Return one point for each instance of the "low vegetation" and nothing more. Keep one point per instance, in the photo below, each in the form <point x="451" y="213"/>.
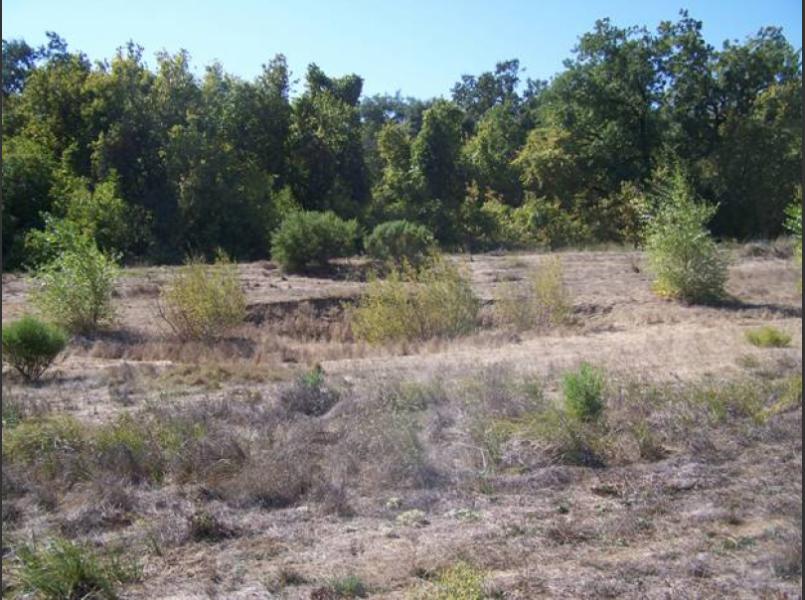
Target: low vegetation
<point x="64" y="570"/>
<point x="202" y="302"/>
<point x="31" y="346"/>
<point x="409" y="304"/>
<point x="75" y="288"/>
<point x="685" y="261"/>
<point x="544" y="302"/>
<point x="583" y="393"/>
<point x="312" y="238"/>
<point x="768" y="337"/>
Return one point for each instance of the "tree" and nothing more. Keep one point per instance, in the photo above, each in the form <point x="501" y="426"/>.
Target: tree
<point x="436" y="159"/>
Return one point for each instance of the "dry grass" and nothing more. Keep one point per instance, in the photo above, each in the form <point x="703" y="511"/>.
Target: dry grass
<point x="448" y="466"/>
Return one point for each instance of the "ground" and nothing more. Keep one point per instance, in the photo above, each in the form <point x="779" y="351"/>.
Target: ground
<point x="692" y="489"/>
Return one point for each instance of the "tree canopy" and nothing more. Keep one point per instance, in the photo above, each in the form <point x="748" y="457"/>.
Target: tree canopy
<point x="158" y="164"/>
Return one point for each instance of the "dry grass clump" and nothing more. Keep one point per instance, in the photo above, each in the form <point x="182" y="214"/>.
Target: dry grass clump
<point x="410" y="304"/>
<point x="202" y="302"/>
<point x="545" y="302"/>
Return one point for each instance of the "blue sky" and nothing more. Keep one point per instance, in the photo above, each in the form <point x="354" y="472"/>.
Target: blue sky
<point x="420" y="47"/>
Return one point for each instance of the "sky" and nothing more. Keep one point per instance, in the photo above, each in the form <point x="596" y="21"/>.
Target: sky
<point x="418" y="47"/>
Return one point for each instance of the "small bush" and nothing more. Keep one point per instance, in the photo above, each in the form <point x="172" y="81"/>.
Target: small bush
<point x="684" y="259"/>
<point x="30" y="346"/>
<point x="47" y="446"/>
<point x="416" y="305"/>
<point x="75" y="288"/>
<point x="309" y="237"/>
<point x="460" y="582"/>
<point x="309" y="394"/>
<point x="62" y="570"/>
<point x="583" y="393"/>
<point x="350" y="586"/>
<point x="203" y="301"/>
<point x="545" y="302"/>
<point x="206" y="527"/>
<point x="768" y="337"/>
<point x="129" y="448"/>
<point x="398" y="240"/>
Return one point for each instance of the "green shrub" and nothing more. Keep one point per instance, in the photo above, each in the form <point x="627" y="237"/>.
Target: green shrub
<point x="684" y="259"/>
<point x="309" y="237"/>
<point x="203" y="301"/>
<point x="583" y="393"/>
<point x="545" y="302"/>
<point x="462" y="581"/>
<point x="62" y="570"/>
<point x="398" y="240"/>
<point x="30" y="346"/>
<point x="48" y="446"/>
<point x="416" y="305"/>
<point x="130" y="448"/>
<point x="75" y="288"/>
<point x="768" y="337"/>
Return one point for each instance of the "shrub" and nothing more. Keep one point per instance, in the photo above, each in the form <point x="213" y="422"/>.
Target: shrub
<point x="203" y="301"/>
<point x="350" y="586"/>
<point x="460" y="582"/>
<point x="49" y="445"/>
<point x="409" y="304"/>
<point x="398" y="240"/>
<point x="75" y="288"/>
<point x="684" y="259"/>
<point x="583" y="393"/>
<point x="62" y="570"/>
<point x="768" y="337"/>
<point x="309" y="394"/>
<point x="546" y="301"/>
<point x="30" y="346"/>
<point x="309" y="237"/>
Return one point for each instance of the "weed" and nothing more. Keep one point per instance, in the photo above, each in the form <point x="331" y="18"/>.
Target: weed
<point x="411" y="304"/>
<point x="545" y="302"/>
<point x="768" y="337"/>
<point x="202" y="302"/>
<point x="62" y="570"/>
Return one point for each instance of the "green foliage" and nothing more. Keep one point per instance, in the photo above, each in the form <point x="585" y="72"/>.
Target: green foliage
<point x="583" y="392"/>
<point x="768" y="337"/>
<point x="152" y="162"/>
<point x="310" y="394"/>
<point x="416" y="305"/>
<point x="63" y="570"/>
<point x="544" y="303"/>
<point x="308" y="237"/>
<point x="30" y="346"/>
<point x="398" y="241"/>
<point x="75" y="289"/>
<point x="203" y="301"/>
<point x="461" y="581"/>
<point x="684" y="259"/>
<point x="49" y="446"/>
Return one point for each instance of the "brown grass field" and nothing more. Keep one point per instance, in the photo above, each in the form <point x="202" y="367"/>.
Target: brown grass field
<point x="434" y="469"/>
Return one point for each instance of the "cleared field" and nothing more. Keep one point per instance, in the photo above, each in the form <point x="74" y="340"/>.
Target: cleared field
<point x="434" y="455"/>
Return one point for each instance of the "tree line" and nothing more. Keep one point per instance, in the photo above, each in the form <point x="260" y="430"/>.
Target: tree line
<point x="159" y="164"/>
